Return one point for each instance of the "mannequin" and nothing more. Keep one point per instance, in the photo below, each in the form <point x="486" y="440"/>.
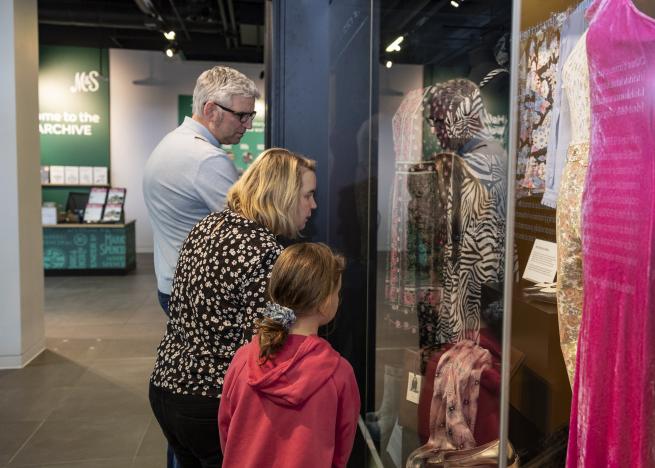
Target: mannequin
<point x="475" y="213"/>
<point x="488" y="70"/>
<point x="575" y="77"/>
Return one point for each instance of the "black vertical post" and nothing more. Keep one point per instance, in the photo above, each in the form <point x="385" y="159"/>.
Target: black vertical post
<point x="322" y="102"/>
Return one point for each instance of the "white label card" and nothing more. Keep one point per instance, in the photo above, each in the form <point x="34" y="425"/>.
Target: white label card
<point x="413" y="387"/>
<point x="542" y="264"/>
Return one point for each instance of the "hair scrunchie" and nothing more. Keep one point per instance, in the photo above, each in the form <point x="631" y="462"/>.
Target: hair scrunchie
<point x="280" y="314"/>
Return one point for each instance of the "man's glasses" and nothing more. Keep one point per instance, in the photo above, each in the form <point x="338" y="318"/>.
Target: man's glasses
<point x="244" y="117"/>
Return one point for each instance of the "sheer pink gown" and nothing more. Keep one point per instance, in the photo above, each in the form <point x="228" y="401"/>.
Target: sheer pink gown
<point x="613" y="411"/>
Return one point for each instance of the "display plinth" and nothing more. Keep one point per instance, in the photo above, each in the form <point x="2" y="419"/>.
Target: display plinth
<point x="89" y="248"/>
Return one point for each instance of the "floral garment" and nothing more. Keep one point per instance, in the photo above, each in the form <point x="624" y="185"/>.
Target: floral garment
<point x="539" y="53"/>
<point x="219" y="291"/>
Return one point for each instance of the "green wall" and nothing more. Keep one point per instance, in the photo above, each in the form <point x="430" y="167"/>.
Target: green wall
<point x="73" y="110"/>
<point x="252" y="141"/>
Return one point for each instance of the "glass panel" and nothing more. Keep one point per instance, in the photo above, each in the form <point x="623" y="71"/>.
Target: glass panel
<point x="347" y="198"/>
<point x="540" y="393"/>
<point x="586" y="146"/>
<point x="442" y="135"/>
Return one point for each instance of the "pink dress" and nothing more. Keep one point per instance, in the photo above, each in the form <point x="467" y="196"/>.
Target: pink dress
<point x="613" y="410"/>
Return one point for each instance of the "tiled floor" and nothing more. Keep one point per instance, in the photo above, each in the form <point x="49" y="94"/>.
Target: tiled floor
<point x="83" y="402"/>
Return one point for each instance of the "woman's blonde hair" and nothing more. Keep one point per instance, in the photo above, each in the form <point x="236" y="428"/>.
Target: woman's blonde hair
<point x="302" y="279"/>
<point x="268" y="191"/>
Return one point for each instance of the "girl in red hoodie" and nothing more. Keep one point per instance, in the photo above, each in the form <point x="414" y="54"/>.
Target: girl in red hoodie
<point x="290" y="400"/>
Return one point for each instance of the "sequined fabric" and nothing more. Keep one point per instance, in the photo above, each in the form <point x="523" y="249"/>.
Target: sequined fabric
<point x="419" y="262"/>
<point x="575" y="78"/>
<point x="569" y="253"/>
<point x="407" y="282"/>
<point x="409" y="288"/>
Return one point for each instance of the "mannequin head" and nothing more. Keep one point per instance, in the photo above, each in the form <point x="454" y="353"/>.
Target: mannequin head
<point x="456" y="112"/>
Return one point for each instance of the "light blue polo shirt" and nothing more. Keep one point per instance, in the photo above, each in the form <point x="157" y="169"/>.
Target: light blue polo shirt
<point x="186" y="177"/>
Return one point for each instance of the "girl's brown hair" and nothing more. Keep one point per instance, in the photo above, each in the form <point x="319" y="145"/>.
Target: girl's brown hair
<point x="303" y="277"/>
<point x="268" y="192"/>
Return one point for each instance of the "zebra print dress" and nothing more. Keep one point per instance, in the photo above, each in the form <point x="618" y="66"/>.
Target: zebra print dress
<point x="475" y="230"/>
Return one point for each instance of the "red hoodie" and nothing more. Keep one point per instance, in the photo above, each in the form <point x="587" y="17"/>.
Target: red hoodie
<point x="300" y="409"/>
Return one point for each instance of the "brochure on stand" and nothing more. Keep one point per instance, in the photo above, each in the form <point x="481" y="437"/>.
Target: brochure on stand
<point x="57" y="174"/>
<point x="98" y="195"/>
<point x="86" y="175"/>
<point x="72" y="175"/>
<point x="100" y="175"/>
<point x="93" y="212"/>
<point x="116" y="195"/>
<point x="113" y="212"/>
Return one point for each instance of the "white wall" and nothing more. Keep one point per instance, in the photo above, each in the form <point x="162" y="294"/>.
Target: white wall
<point x="22" y="332"/>
<point x="141" y="115"/>
<point x="394" y="80"/>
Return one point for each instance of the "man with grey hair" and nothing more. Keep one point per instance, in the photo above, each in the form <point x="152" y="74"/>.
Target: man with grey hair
<point x="188" y="174"/>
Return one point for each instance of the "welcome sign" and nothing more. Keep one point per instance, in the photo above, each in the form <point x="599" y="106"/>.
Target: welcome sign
<point x="74" y="106"/>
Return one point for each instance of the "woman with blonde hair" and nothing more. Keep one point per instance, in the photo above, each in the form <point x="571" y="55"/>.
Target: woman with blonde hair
<point x="289" y="399"/>
<point x="219" y="292"/>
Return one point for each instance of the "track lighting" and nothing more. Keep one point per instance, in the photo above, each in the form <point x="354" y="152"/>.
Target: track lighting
<point x="170" y="35"/>
<point x="389" y="64"/>
<point x="454" y="3"/>
<point x="170" y="51"/>
<point x="395" y="45"/>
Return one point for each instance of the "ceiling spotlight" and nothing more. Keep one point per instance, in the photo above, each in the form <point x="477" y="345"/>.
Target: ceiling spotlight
<point x="454" y="3"/>
<point x="170" y="35"/>
<point x="169" y="52"/>
<point x="395" y="45"/>
<point x="389" y="64"/>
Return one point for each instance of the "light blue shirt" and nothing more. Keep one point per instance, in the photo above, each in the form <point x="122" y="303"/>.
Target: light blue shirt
<point x="186" y="177"/>
<point x="560" y="124"/>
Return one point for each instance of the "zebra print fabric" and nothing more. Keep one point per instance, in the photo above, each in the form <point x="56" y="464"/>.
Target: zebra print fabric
<point x="475" y="212"/>
<point x="474" y="250"/>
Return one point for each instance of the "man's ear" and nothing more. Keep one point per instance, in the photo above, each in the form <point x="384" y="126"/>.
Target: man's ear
<point x="208" y="110"/>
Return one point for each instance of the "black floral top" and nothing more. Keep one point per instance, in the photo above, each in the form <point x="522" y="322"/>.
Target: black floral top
<point x="219" y="290"/>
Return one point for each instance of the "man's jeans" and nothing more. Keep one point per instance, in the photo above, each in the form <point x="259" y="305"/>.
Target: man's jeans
<point x="163" y="301"/>
<point x="171" y="462"/>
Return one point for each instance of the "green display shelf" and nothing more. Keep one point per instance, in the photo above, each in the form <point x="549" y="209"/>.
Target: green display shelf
<point x="89" y="248"/>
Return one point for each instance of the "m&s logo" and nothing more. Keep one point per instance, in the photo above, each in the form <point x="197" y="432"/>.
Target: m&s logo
<point x="85" y="82"/>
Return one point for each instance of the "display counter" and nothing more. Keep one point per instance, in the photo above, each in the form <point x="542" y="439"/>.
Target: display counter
<point x="89" y="248"/>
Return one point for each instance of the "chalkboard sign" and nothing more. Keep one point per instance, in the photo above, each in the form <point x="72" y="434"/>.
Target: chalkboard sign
<point x="93" y="247"/>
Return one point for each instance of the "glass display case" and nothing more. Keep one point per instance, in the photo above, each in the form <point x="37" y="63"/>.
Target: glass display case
<point x="446" y="134"/>
<point x="443" y="100"/>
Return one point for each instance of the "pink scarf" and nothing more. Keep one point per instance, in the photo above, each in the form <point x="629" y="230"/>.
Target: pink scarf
<point x="454" y="401"/>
